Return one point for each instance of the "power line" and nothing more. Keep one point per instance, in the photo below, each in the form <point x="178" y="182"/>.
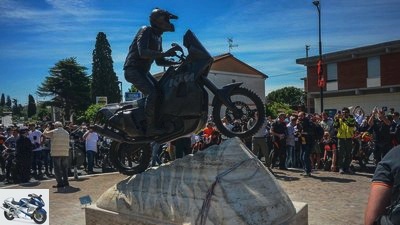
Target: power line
<point x="286" y="74"/>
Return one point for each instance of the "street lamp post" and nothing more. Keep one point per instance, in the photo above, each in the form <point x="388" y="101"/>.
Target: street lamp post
<point x="318" y="5"/>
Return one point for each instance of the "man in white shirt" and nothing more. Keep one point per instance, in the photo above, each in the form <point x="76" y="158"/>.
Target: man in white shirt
<point x="91" y="139"/>
<point x="35" y="136"/>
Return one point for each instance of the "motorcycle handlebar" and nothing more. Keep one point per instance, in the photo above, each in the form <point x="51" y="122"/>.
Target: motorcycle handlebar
<point x="178" y="48"/>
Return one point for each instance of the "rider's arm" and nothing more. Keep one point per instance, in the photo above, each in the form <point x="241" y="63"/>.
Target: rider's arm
<point x="85" y="135"/>
<point x="164" y="62"/>
<point x="144" y="49"/>
<point x="385" y="176"/>
<point x="379" y="198"/>
<point x="47" y="133"/>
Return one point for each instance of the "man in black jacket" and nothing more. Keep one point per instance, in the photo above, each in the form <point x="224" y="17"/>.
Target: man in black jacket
<point x="279" y="133"/>
<point x="144" y="50"/>
<point x="23" y="155"/>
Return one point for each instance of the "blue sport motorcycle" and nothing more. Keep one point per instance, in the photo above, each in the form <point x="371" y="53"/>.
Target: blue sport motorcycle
<point x="31" y="207"/>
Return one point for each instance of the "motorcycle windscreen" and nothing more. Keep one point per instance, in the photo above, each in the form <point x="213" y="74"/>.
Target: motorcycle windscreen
<point x="195" y="49"/>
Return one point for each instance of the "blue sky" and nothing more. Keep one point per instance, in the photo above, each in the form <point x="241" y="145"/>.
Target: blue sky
<point x="271" y="35"/>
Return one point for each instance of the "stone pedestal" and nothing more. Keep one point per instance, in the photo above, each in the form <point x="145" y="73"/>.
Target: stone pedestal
<point x="97" y="216"/>
<point x="222" y="185"/>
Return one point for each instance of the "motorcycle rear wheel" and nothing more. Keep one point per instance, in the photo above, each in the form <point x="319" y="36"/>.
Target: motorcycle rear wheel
<point x="247" y="102"/>
<point x="130" y="159"/>
<point x="8" y="216"/>
<point x="39" y="217"/>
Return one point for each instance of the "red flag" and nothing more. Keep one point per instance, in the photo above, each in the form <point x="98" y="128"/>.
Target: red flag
<point x="321" y="80"/>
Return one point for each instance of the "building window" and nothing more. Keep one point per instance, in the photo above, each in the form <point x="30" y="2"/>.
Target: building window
<point x="332" y="72"/>
<point x="374" y="67"/>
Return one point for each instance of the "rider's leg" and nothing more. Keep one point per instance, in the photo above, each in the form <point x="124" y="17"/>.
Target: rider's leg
<point x="147" y="85"/>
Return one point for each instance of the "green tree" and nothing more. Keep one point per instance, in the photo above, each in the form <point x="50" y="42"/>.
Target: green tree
<point x="8" y="101"/>
<point x="68" y="87"/>
<point x="292" y="96"/>
<point x="31" y="106"/>
<point x="15" y="110"/>
<point x="133" y="89"/>
<point x="104" y="79"/>
<point x="44" y="113"/>
<point x="91" y="112"/>
<point x="2" y="100"/>
<point x="274" y="108"/>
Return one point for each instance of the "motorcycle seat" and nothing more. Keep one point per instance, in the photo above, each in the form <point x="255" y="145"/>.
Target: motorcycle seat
<point x="14" y="202"/>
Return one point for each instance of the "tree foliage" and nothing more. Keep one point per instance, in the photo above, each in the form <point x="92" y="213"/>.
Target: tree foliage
<point x="8" y="101"/>
<point x="291" y="96"/>
<point x="274" y="108"/>
<point x="133" y="89"/>
<point x="43" y="113"/>
<point x="2" y="100"/>
<point x="31" y="106"/>
<point x="91" y="112"/>
<point x="104" y="79"/>
<point x="17" y="110"/>
<point x="68" y="86"/>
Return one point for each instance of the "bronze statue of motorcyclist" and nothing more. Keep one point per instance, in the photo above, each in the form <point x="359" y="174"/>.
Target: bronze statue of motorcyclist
<point x="146" y="48"/>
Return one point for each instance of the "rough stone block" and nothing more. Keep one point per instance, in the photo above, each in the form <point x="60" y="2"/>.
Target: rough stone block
<point x="223" y="184"/>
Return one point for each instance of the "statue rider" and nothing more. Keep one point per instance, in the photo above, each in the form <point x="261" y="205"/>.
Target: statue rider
<point x="146" y="48"/>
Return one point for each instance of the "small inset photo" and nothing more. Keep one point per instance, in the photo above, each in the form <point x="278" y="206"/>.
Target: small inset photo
<point x="24" y="206"/>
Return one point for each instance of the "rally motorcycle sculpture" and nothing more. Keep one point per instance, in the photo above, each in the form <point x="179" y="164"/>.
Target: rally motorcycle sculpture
<point x="183" y="109"/>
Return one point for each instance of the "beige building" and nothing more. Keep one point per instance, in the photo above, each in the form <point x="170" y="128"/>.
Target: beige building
<point x="228" y="69"/>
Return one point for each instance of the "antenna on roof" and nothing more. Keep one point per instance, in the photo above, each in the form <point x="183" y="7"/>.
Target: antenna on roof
<point x="231" y="45"/>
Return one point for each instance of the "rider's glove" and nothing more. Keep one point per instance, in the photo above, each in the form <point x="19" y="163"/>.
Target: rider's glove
<point x="170" y="52"/>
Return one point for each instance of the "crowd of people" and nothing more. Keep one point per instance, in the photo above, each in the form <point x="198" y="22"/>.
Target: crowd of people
<point x="297" y="140"/>
<point x="316" y="141"/>
<point x="44" y="150"/>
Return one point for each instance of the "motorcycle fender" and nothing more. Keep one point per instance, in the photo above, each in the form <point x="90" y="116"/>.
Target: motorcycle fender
<point x="41" y="211"/>
<point x="225" y="91"/>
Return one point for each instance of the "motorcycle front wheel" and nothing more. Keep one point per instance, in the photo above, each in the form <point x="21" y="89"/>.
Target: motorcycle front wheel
<point x="39" y="217"/>
<point x="130" y="159"/>
<point x="243" y="123"/>
<point x="8" y="216"/>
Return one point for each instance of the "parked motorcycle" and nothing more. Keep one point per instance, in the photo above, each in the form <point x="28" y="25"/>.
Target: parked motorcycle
<point x="183" y="109"/>
<point x="31" y="207"/>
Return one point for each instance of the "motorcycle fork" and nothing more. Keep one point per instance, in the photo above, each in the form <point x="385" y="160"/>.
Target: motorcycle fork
<point x="222" y="94"/>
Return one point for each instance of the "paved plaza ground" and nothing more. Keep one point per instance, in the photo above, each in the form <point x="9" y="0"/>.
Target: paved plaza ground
<point x="333" y="199"/>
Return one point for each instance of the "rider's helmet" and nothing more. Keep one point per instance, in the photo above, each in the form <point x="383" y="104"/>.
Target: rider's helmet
<point x="159" y="19"/>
